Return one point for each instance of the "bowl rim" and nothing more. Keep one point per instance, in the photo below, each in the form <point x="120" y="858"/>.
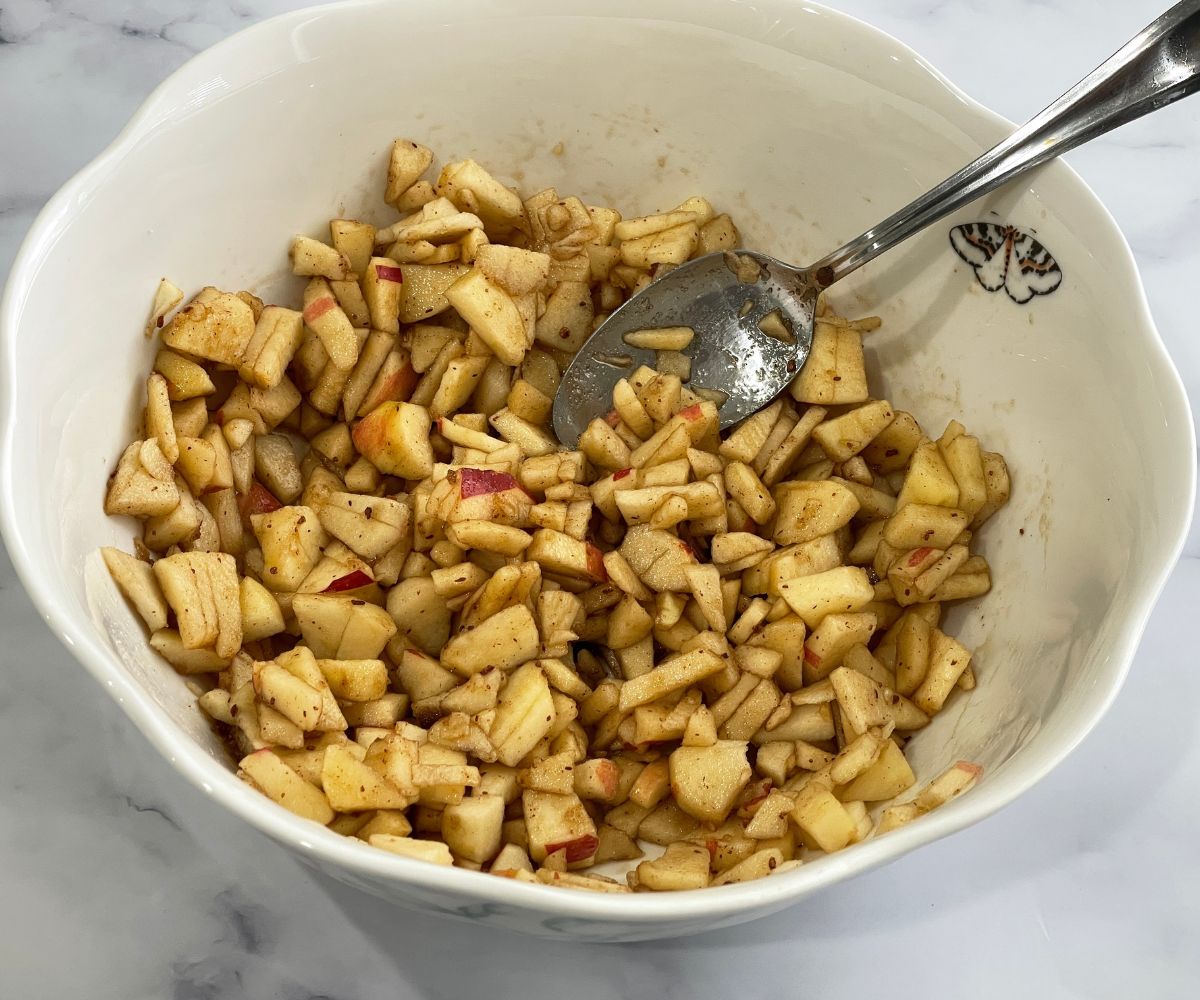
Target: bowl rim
<point x="204" y="772"/>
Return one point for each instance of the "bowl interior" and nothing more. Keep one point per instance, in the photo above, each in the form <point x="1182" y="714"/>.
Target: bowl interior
<point x="807" y="127"/>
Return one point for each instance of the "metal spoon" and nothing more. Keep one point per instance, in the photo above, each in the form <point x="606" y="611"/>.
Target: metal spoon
<point x="725" y="297"/>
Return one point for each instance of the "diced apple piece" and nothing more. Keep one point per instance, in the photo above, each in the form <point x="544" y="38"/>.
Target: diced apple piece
<point x="370" y="525"/>
<point x="353" y="239"/>
<point x="604" y="447"/>
<point x="997" y="487"/>
<point x="488" y="495"/>
<point x="658" y="557"/>
<point x="167" y="296"/>
<point x="277" y="335"/>
<point x="524" y="715"/>
<point x="628" y="623"/>
<point x="144" y="483"/>
<point x="948" y="785"/>
<point x="706" y="781"/>
<point x="834" y="372"/>
<point x="394" y="437"/>
<point x="367" y="632"/>
<point x="674" y="674"/>
<point x="847" y="435"/>
<point x="283" y="785"/>
<point x="275" y="466"/>
<point x="829" y="642"/>
<point x="423" y="290"/>
<point x="215" y="325"/>
<point x="504" y="640"/>
<point x="291" y="539"/>
<point x="560" y="553"/>
<point x="488" y="537"/>
<point x="846" y="589"/>
<point x="313" y="258"/>
<point x="919" y="524"/>
<point x="471" y="828"/>
<point x="741" y="716"/>
<point x="420" y="613"/>
<point x="808" y="510"/>
<point x="823" y="819"/>
<point x="137" y="582"/>
<point x="668" y="246"/>
<point x="355" y="786"/>
<point x="421" y="676"/>
<point x="885" y="779"/>
<point x="383" y="288"/>
<point x="290" y="696"/>
<point x="964" y="459"/>
<point x="682" y="865"/>
<point x="408" y="161"/>
<point x="517" y="271"/>
<point x="559" y="823"/>
<point x="491" y="313"/>
<point x="185" y="378"/>
<point x="202" y="590"/>
<point x="432" y="851"/>
<point x="948" y="658"/>
<point x="928" y="480"/>
<point x="567" y="320"/>
<point x="167" y="643"/>
<point x="532" y="440"/>
<point x="329" y="322"/>
<point x="261" y="614"/>
<point x="748" y="490"/>
<point x="471" y="188"/>
<point x="355" y="680"/>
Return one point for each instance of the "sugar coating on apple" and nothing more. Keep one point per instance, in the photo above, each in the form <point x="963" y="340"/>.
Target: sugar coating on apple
<point x="394" y="437"/>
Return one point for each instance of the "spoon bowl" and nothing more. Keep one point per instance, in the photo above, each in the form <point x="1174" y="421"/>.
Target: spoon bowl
<point x="752" y="318"/>
<point x="752" y="315"/>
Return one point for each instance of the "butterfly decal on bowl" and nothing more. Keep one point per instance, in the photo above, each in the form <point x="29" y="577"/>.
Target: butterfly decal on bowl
<point x="1007" y="257"/>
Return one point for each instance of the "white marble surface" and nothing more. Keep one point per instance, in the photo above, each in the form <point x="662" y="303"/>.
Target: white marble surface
<point x="120" y="882"/>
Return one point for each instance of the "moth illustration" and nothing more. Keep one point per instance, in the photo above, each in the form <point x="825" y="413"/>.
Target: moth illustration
<point x="1007" y="257"/>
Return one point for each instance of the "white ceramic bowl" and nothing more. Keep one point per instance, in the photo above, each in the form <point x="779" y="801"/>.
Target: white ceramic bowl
<point x="287" y="123"/>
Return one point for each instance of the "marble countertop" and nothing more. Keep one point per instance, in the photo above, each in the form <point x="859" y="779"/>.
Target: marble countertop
<point x="119" y="881"/>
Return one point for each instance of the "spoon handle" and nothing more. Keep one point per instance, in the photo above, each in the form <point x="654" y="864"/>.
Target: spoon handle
<point x="1157" y="66"/>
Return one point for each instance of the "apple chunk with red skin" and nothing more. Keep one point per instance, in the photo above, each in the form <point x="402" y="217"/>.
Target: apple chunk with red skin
<point x="556" y="822"/>
<point x="396" y="380"/>
<point x="560" y="553"/>
<point x="394" y="437"/>
<point x="257" y="500"/>
<point x="353" y="580"/>
<point x="489" y="495"/>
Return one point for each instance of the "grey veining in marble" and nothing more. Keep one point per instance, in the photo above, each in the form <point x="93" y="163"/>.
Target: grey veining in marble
<point x="121" y="882"/>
